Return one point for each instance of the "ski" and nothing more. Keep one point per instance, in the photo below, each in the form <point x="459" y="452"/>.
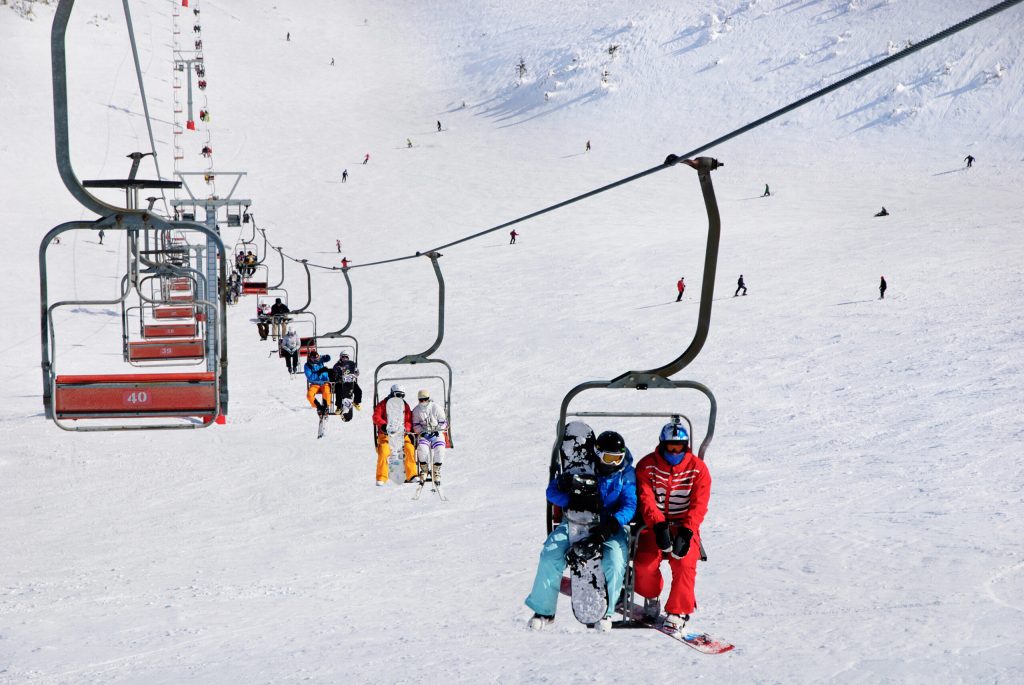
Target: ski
<point x="419" y="491"/>
<point x="440" y="493"/>
<point x="322" y="427"/>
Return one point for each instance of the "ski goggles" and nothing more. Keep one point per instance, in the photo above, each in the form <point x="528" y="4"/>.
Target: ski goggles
<point x="675" y="447"/>
<point x="424" y="399"/>
<point x="611" y="458"/>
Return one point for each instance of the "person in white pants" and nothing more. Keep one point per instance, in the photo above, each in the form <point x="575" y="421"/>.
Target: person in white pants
<point x="429" y="423"/>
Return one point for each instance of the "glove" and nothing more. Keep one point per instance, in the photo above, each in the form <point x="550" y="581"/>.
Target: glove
<point x="661" y="536"/>
<point x="681" y="545"/>
<point x="584" y="550"/>
<point x="583" y="494"/>
<point x="608" y="527"/>
<point x="564" y="482"/>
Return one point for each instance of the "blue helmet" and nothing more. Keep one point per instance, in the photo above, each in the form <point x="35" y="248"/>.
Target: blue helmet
<point x="673" y="443"/>
<point x="674" y="432"/>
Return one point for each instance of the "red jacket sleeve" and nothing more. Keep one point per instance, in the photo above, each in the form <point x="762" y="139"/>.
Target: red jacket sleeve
<point x="408" y="418"/>
<point x="379" y="416"/>
<point x="700" y="493"/>
<point x="648" y="504"/>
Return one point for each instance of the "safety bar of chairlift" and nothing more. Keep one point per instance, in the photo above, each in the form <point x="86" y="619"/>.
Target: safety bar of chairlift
<point x="120" y="221"/>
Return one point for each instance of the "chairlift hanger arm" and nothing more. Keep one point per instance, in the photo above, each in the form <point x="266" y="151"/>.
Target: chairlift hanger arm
<point x="309" y="289"/>
<point x="422" y="356"/>
<point x="348" y="285"/>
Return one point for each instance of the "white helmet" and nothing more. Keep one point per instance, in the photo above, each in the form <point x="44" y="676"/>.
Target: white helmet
<point x="396" y="389"/>
<point x="423" y="395"/>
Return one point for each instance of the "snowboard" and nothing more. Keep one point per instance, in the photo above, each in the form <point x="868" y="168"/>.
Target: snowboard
<point x="586" y="576"/>
<point x="348" y="379"/>
<point x="396" y="438"/>
<point x="702" y="642"/>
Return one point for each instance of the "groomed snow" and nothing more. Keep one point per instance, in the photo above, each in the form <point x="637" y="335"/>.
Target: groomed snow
<point x="866" y="516"/>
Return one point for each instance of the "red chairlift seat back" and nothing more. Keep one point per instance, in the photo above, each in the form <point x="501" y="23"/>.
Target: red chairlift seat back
<point x="167" y="312"/>
<point x="193" y="348"/>
<point x="135" y="395"/>
<point x="170" y="330"/>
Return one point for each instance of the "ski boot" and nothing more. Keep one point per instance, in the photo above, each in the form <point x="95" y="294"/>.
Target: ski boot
<point x="421" y="472"/>
<point x="436" y="475"/>
<point x="604" y="625"/>
<point x="538" y="621"/>
<point x="652" y="608"/>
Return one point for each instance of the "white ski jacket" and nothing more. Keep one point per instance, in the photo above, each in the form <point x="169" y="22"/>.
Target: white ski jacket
<point x="290" y="342"/>
<point x="428" y="418"/>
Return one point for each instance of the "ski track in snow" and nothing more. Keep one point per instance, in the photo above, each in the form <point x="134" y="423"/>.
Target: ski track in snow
<point x="867" y="482"/>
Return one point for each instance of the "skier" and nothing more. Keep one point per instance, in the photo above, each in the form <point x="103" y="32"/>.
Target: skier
<point x="288" y="36"/>
<point x="318" y="379"/>
<point x="970" y="161"/>
<point x="767" y="193"/>
<point x="616" y="485"/>
<point x="202" y="84"/>
<point x="344" y="178"/>
<point x="290" y="350"/>
<point x="343" y="366"/>
<point x="588" y="147"/>
<point x="263" y="320"/>
<point x="884" y="212"/>
<point x="513" y="234"/>
<point x="438" y="126"/>
<point x="380" y="420"/>
<point x="344" y="262"/>
<point x="673" y="487"/>
<point x="882" y="287"/>
<point x="740" y="284"/>
<point x="366" y="158"/>
<point x="207" y="151"/>
<point x="101" y="234"/>
<point x="337" y="244"/>
<point x="332" y="61"/>
<point x="681" y="287"/>
<point x="408" y="142"/>
<point x="429" y="424"/>
<point x="277" y="312"/>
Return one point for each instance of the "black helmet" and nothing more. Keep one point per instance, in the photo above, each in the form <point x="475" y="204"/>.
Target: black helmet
<point x="313" y="355"/>
<point x="611" y="453"/>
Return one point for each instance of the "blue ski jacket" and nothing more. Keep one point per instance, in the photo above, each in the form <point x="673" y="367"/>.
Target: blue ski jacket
<point x="316" y="373"/>
<point x="618" y="493"/>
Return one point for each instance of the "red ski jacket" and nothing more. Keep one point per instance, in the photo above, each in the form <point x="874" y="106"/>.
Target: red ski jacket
<point x="678" y="494"/>
<point x="680" y="286"/>
<point x="380" y="415"/>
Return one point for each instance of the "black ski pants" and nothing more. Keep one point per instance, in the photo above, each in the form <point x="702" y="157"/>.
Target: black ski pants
<point x="291" y="359"/>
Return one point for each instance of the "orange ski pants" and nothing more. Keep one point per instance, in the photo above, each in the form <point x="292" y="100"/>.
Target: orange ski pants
<point x="324" y="390"/>
<point x="384" y="451"/>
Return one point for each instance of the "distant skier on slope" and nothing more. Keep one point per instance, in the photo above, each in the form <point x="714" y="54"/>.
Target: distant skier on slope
<point x="970" y="161"/>
<point x="681" y="287"/>
<point x="408" y="142"/>
<point x="319" y="379"/>
<point x="439" y="126"/>
<point x="616" y="501"/>
<point x="883" y="212"/>
<point x="513" y="233"/>
<point x="429" y="424"/>
<point x="337" y="244"/>
<point x="344" y="176"/>
<point x="673" y="487"/>
<point x="366" y="158"/>
<point x="882" y="287"/>
<point x="740" y="285"/>
<point x="588" y="147"/>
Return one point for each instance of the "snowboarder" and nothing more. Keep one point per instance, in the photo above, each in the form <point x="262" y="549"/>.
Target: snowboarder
<point x="429" y="424"/>
<point x="767" y="193"/>
<point x="263" y="320"/>
<point x="366" y="158"/>
<point x="513" y="234"/>
<point x="337" y="244"/>
<point x="970" y="160"/>
<point x="344" y="262"/>
<point x="408" y="142"/>
<point x="884" y="212"/>
<point x="673" y="487"/>
<point x="616" y="485"/>
<point x="344" y="366"/>
<point x="319" y="380"/>
<point x="344" y="179"/>
<point x="438" y="126"/>
<point x="290" y="344"/>
<point x="101" y="234"/>
<point x="681" y="287"/>
<point x="380" y="420"/>
<point x="277" y="313"/>
<point x="740" y="285"/>
<point x="588" y="147"/>
<point x="882" y="288"/>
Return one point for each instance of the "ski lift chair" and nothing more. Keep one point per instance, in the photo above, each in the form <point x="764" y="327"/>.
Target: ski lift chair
<point x="257" y="283"/>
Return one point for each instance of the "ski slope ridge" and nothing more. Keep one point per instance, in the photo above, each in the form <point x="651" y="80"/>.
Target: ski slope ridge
<point x="865" y="519"/>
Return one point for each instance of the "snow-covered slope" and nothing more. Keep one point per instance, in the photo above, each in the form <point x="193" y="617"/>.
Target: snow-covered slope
<point x="865" y="524"/>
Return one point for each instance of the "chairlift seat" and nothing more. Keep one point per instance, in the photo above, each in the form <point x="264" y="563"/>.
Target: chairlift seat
<point x="170" y="330"/>
<point x="254" y="288"/>
<point x="234" y="220"/>
<point x="193" y="348"/>
<point x="182" y="298"/>
<point x="173" y="312"/>
<point x="135" y="395"/>
<point x="306" y="345"/>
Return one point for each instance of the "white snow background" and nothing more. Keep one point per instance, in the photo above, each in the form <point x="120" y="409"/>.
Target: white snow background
<point x="865" y="521"/>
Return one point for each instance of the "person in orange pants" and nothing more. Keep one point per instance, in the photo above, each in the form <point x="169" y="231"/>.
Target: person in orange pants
<point x="673" y="489"/>
<point x="380" y="422"/>
<point x="319" y="379"/>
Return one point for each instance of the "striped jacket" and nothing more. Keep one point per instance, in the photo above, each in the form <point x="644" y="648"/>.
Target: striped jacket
<point x="678" y="494"/>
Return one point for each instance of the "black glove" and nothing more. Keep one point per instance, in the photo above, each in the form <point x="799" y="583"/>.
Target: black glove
<point x="583" y="495"/>
<point x="605" y="530"/>
<point x="661" y="536"/>
<point x="564" y="482"/>
<point x="681" y="545"/>
<point x="584" y="550"/>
